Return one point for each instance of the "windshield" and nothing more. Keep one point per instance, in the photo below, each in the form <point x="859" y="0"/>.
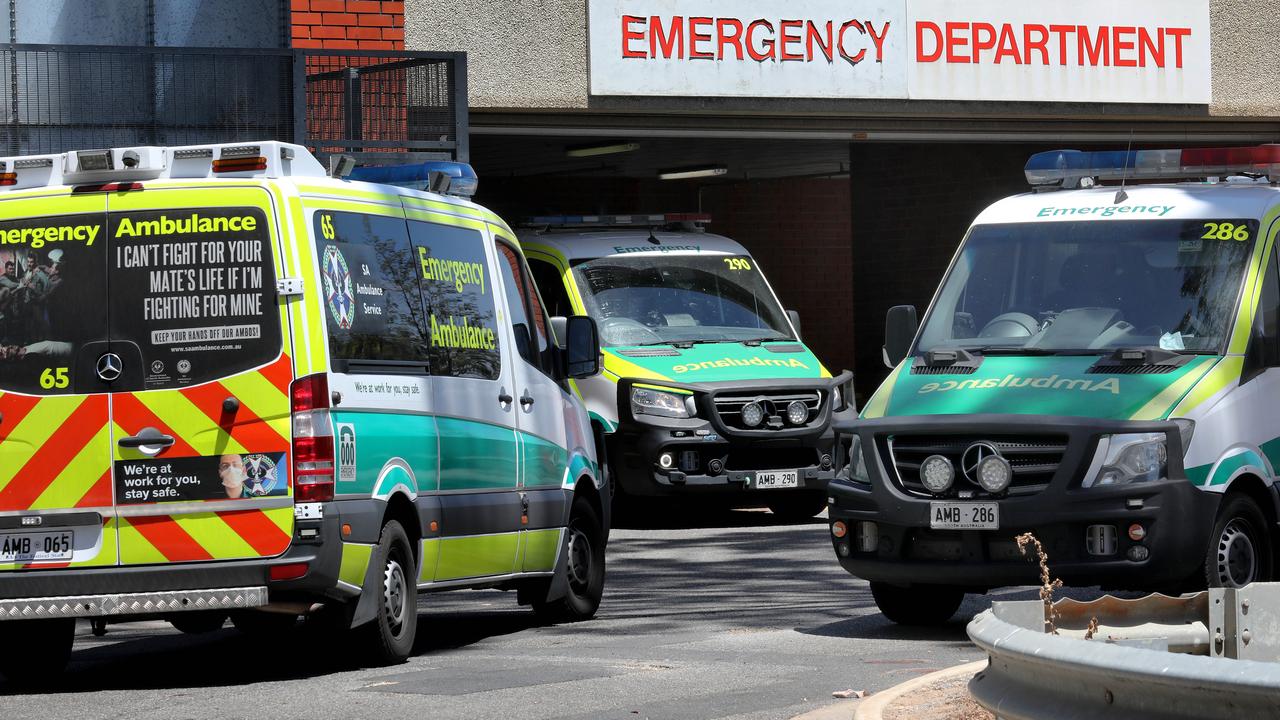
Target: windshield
<point x="1093" y="287"/>
<point x="679" y="299"/>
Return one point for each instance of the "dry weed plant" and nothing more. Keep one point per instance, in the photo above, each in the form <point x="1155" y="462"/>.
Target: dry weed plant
<point x="1047" y="585"/>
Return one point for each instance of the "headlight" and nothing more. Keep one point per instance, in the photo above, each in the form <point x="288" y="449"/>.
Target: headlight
<point x="857" y="467"/>
<point x="797" y="412"/>
<point x="645" y="401"/>
<point x="937" y="473"/>
<point x="752" y="414"/>
<point x="1130" y="458"/>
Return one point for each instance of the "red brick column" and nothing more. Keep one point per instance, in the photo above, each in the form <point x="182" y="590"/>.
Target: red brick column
<point x="348" y="24"/>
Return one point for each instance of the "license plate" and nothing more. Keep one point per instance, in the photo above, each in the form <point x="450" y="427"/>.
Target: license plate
<point x="777" y="479"/>
<point x="964" y="516"/>
<point x="36" y="546"/>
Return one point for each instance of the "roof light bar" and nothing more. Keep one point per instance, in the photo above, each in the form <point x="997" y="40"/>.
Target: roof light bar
<point x="462" y="179"/>
<point x="635" y="220"/>
<point x="1066" y="168"/>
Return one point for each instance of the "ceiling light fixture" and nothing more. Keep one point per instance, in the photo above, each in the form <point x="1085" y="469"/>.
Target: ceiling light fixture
<point x="599" y="149"/>
<point x="692" y="172"/>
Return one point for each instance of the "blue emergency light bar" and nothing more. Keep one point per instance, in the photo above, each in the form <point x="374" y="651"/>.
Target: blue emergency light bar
<point x="462" y="179"/>
<point x="1066" y="168"/>
<point x="633" y="220"/>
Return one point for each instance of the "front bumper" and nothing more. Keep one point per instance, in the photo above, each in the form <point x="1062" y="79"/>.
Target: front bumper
<point x="149" y="590"/>
<point x="712" y="458"/>
<point x="1177" y="517"/>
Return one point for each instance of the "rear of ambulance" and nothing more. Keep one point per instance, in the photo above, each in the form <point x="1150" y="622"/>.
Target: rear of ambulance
<point x="147" y="463"/>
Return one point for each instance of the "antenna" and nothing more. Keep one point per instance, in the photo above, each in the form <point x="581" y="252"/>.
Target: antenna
<point x="1121" y="195"/>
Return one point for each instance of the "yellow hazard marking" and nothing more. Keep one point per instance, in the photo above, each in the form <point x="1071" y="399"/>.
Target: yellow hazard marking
<point x="39" y="426"/>
<point x="190" y="423"/>
<point x="879" y="402"/>
<point x="620" y="368"/>
<point x="1225" y="374"/>
<point x="135" y="549"/>
<point x="215" y="536"/>
<point x="84" y="470"/>
<point x="282" y="517"/>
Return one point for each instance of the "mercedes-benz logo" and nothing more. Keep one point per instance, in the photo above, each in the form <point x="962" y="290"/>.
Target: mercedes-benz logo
<point x="109" y="367"/>
<point x="973" y="455"/>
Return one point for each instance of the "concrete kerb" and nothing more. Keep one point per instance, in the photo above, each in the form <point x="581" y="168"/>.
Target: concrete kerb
<point x="874" y="706"/>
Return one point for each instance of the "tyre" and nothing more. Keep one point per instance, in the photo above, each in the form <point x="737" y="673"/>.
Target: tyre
<point x="917" y="604"/>
<point x="259" y="623"/>
<point x="1239" y="549"/>
<point x="798" y="506"/>
<point x="197" y="623"/>
<point x="388" y="638"/>
<point x="584" y="567"/>
<point x="37" y="651"/>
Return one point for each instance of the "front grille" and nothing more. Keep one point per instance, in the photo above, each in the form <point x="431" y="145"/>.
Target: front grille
<point x="729" y="408"/>
<point x="1033" y="458"/>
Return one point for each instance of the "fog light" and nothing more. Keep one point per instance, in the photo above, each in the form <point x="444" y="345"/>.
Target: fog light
<point x="867" y="535"/>
<point x="839" y="529"/>
<point x="1138" y="553"/>
<point x="994" y="474"/>
<point x="715" y="467"/>
<point x="797" y="412"/>
<point x="666" y="460"/>
<point x="1137" y="532"/>
<point x="937" y="473"/>
<point x="752" y="414"/>
<point x="825" y="462"/>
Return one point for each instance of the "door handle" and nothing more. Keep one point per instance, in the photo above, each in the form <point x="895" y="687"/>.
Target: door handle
<point x="504" y="398"/>
<point x="526" y="400"/>
<point x="145" y="439"/>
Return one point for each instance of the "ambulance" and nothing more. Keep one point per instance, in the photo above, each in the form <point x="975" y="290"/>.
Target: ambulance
<point x="235" y="387"/>
<point x="707" y="390"/>
<point x="1099" y="367"/>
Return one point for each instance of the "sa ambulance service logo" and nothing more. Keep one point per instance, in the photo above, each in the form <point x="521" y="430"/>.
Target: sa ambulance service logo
<point x="337" y="287"/>
<point x="346" y="451"/>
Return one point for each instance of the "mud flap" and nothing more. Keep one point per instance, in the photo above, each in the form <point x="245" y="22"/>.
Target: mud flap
<point x="559" y="585"/>
<point x="367" y="607"/>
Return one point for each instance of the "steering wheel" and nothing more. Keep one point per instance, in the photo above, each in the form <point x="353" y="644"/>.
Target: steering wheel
<point x="1010" y="325"/>
<point x="625" y="331"/>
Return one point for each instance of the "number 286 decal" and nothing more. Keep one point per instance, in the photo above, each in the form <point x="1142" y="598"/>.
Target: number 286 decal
<point x="1225" y="231"/>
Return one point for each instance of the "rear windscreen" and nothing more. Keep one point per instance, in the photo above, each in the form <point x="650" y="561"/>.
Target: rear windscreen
<point x="193" y="295"/>
<point x="52" y="300"/>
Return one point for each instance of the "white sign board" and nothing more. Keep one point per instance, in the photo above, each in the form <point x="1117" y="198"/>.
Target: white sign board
<point x="1089" y="51"/>
<point x="1093" y="51"/>
<point x="771" y="48"/>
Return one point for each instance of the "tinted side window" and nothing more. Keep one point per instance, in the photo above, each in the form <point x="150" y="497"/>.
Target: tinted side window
<point x="462" y="326"/>
<point x="52" y="300"/>
<point x="193" y="293"/>
<point x="551" y="284"/>
<point x="370" y="287"/>
<point x="512" y="280"/>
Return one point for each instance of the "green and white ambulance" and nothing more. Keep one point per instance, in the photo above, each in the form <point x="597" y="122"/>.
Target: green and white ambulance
<point x="232" y="386"/>
<point x="1100" y="367"/>
<point x="707" y="388"/>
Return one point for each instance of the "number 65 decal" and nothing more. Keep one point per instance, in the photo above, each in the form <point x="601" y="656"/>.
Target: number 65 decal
<point x="52" y="378"/>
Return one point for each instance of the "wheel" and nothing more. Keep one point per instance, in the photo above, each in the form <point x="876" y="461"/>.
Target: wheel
<point x="259" y="623"/>
<point x="196" y="623"/>
<point x="388" y="638"/>
<point x="797" y="506"/>
<point x="38" y="650"/>
<point x="918" y="604"/>
<point x="1239" y="549"/>
<point x="584" y="567"/>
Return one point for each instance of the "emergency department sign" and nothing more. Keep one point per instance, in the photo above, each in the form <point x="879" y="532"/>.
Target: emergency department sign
<point x="1089" y="51"/>
<point x="772" y="48"/>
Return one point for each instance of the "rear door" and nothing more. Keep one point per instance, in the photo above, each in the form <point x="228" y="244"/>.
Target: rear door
<point x="55" y="447"/>
<point x="200" y="412"/>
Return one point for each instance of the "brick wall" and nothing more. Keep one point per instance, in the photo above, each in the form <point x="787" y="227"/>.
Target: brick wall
<point x="913" y="204"/>
<point x="348" y="24"/>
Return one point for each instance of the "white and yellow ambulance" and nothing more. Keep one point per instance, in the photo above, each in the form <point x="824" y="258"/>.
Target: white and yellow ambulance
<point x="233" y="386"/>
<point x="707" y="390"/>
<point x="1100" y="367"/>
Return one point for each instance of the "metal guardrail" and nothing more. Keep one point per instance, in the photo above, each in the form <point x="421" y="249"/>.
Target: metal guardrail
<point x="1136" y="666"/>
<point x="399" y="105"/>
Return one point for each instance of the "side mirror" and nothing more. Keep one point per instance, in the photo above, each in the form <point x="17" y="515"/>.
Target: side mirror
<point x="900" y="327"/>
<point x="795" y="321"/>
<point x="582" y="347"/>
<point x="559" y="329"/>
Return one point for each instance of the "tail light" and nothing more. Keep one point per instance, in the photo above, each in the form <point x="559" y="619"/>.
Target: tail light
<point x="313" y="458"/>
